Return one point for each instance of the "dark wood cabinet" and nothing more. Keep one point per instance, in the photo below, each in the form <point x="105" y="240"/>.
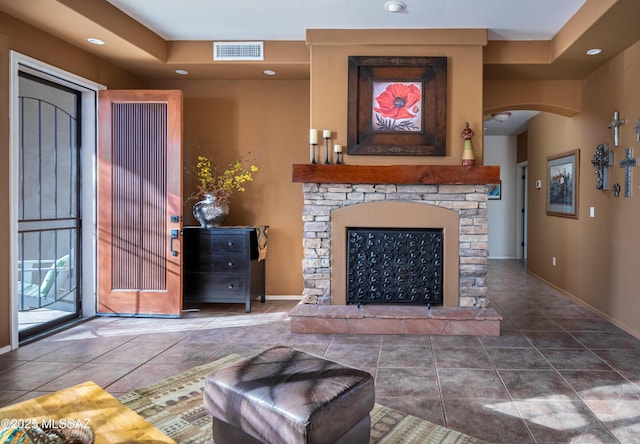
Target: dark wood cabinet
<point x="225" y="264"/>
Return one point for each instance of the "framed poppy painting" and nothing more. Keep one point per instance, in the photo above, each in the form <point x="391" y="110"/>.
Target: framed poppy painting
<point x="397" y="106"/>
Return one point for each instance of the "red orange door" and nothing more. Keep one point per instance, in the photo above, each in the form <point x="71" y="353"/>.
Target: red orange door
<point x="139" y="202"/>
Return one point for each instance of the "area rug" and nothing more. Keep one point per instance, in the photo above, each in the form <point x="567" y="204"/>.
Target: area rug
<point x="175" y="406"/>
<point x="85" y="407"/>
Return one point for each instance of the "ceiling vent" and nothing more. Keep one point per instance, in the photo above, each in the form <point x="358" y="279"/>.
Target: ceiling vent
<point x="225" y="51"/>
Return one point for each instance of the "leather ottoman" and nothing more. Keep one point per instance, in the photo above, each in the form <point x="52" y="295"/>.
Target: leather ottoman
<point x="287" y="396"/>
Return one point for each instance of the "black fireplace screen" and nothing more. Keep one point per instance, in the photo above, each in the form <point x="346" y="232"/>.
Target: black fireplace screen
<point x="394" y="266"/>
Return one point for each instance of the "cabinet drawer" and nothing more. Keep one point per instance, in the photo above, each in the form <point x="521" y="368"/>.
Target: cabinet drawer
<point x="230" y="243"/>
<point x="208" y="287"/>
<point x="229" y="264"/>
<point x="204" y="243"/>
<point x="217" y="264"/>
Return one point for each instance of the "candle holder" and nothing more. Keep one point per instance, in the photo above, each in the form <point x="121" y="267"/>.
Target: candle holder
<point x="338" y="162"/>
<point x="313" y="153"/>
<point x="326" y="145"/>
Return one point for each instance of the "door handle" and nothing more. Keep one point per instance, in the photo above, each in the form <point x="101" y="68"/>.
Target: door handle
<point x="174" y="235"/>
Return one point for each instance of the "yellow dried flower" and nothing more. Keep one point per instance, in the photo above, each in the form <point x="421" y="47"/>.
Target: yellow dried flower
<point x="221" y="185"/>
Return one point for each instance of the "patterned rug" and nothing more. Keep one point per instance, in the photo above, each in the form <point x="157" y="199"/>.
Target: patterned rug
<point x="175" y="406"/>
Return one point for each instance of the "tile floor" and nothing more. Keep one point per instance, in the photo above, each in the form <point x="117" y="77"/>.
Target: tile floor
<point x="558" y="373"/>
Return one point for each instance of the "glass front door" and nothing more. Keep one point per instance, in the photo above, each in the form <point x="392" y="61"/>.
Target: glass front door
<point x="49" y="210"/>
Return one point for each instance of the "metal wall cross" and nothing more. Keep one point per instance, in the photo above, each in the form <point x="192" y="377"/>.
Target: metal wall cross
<point x="615" y="125"/>
<point x="602" y="159"/>
<point x="627" y="163"/>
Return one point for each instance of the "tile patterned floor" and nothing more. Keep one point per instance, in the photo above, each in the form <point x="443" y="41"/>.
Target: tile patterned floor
<point x="558" y="373"/>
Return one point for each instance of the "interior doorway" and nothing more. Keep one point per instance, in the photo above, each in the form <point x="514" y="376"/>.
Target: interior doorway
<point x="52" y="188"/>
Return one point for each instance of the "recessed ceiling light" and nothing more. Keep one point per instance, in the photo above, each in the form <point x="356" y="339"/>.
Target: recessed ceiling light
<point x="594" y="51"/>
<point x="394" y="6"/>
<point x="95" y="41"/>
<point x="182" y="72"/>
<point x="269" y="72"/>
<point x="501" y="117"/>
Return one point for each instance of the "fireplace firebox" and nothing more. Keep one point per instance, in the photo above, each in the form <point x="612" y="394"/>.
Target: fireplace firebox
<point x="394" y="266"/>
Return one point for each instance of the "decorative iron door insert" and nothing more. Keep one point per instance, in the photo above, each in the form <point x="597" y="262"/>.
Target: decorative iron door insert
<point x="394" y="266"/>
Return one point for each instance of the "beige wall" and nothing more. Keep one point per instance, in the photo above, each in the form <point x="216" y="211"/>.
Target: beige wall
<point x="265" y="122"/>
<point x="329" y="55"/>
<point x="597" y="258"/>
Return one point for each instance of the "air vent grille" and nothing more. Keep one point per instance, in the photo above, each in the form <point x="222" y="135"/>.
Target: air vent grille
<point x="238" y="51"/>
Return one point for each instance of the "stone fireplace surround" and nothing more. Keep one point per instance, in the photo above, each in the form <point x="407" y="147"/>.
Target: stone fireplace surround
<point x="458" y="208"/>
<point x="383" y="214"/>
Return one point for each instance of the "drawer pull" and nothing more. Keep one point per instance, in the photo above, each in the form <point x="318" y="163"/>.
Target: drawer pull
<point x="230" y="264"/>
<point x="230" y="243"/>
<point x="230" y="286"/>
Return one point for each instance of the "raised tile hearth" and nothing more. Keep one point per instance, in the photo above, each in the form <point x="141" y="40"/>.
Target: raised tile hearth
<point x="393" y="319"/>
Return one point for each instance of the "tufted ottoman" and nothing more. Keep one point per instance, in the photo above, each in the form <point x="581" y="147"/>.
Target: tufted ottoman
<point x="287" y="396"/>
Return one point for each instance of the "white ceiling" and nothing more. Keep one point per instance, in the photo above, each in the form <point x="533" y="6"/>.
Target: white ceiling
<point x="513" y="126"/>
<point x="289" y="19"/>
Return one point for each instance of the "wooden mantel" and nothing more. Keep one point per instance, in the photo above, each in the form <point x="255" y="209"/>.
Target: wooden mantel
<point x="396" y="174"/>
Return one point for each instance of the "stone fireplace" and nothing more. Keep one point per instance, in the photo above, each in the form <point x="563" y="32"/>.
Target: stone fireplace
<point x="459" y="210"/>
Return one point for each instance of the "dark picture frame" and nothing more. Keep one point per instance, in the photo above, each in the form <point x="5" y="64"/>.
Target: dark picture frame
<point x="397" y="106"/>
<point x="563" y="179"/>
<point x="494" y="191"/>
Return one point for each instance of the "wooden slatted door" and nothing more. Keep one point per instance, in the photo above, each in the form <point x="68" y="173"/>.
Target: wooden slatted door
<point x="139" y="202"/>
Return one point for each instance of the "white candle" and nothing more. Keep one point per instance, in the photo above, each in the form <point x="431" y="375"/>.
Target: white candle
<point x="326" y="134"/>
<point x="313" y="136"/>
<point x="337" y="148"/>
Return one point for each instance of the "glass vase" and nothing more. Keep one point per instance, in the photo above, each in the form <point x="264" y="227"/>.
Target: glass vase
<point x="210" y="212"/>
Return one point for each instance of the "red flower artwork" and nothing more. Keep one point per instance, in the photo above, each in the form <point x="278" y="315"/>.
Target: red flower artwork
<point x="397" y="102"/>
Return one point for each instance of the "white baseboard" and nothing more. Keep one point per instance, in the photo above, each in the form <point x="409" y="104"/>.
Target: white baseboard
<point x="283" y="297"/>
<point x="5" y="349"/>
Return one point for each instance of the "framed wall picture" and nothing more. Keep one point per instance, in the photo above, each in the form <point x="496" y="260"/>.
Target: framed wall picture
<point x="494" y="191"/>
<point x="397" y="106"/>
<point x="563" y="177"/>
